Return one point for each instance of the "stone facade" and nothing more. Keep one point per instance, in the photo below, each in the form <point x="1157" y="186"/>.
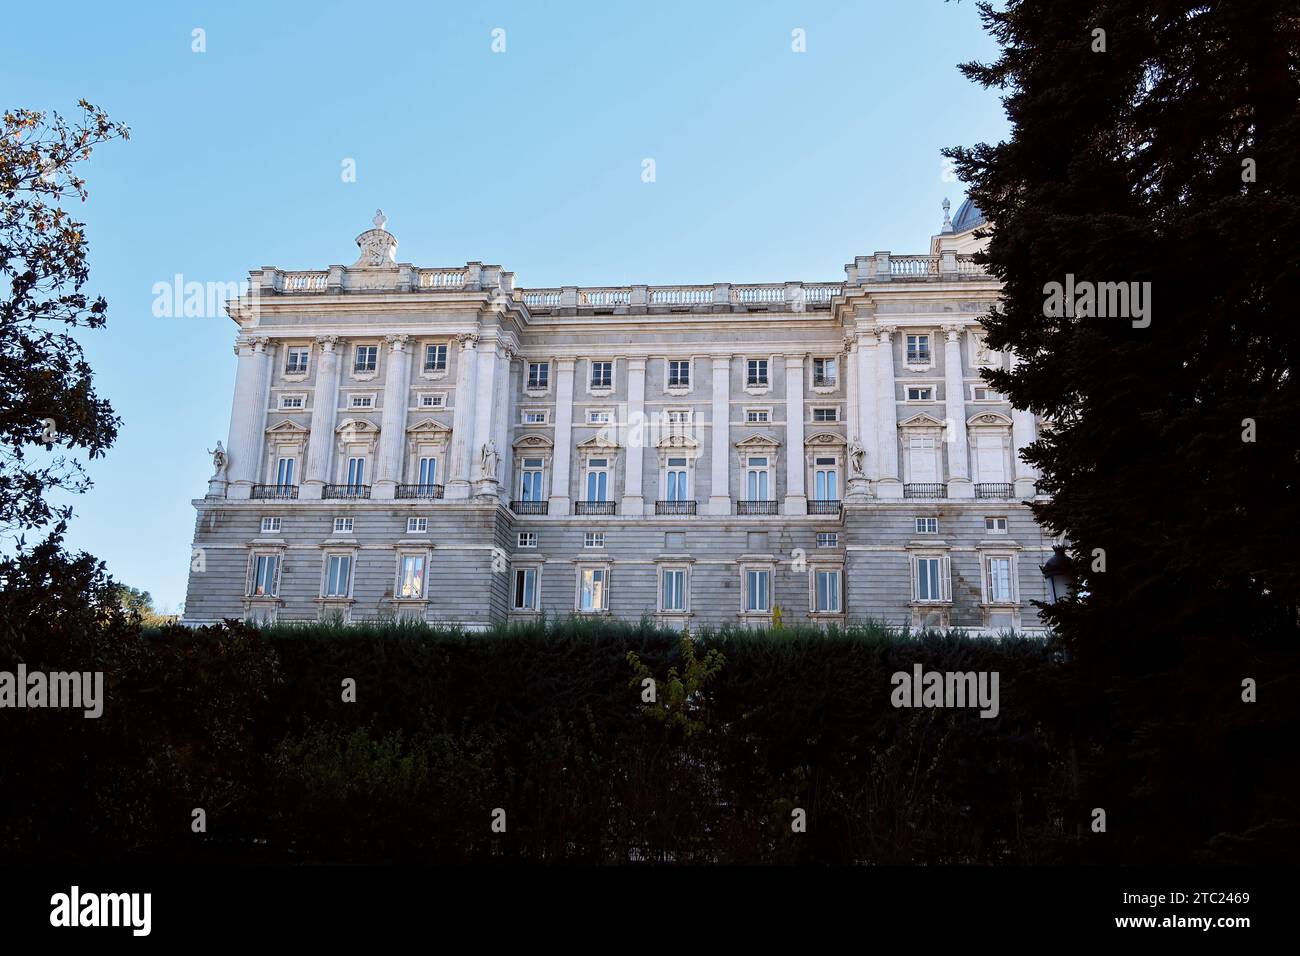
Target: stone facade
<point x="438" y="443"/>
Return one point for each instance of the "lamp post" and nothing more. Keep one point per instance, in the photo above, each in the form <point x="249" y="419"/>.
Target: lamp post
<point x="1059" y="572"/>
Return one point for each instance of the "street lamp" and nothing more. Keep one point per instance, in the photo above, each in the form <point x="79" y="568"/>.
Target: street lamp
<point x="1059" y="572"/>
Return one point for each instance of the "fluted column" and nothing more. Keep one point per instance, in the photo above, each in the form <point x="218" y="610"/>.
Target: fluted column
<point x="868" y="429"/>
<point x="888" y="484"/>
<point x="720" y="453"/>
<point x="796" y="496"/>
<point x="392" y="429"/>
<point x="247" y="417"/>
<point x="563" y="452"/>
<point x="324" y="409"/>
<point x="1024" y="431"/>
<point x="501" y="417"/>
<point x="955" y="439"/>
<point x="462" y="422"/>
<point x="485" y="393"/>
<point x="637" y="433"/>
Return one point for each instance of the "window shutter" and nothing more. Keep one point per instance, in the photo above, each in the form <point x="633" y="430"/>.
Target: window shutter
<point x="252" y="570"/>
<point x="913" y="575"/>
<point x="945" y="578"/>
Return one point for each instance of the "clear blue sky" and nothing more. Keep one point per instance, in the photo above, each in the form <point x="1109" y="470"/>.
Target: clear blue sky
<point x="771" y="165"/>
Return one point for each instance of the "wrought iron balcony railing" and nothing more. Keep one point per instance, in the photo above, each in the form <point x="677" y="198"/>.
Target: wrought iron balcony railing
<point x="595" y="507"/>
<point x="419" y="491"/>
<point x="275" y="491"/>
<point x="674" y="507"/>
<point x="346" y="491"/>
<point x="825" y="506"/>
<point x="530" y="507"/>
<point x="994" y="489"/>
<point x="755" y="507"/>
<point x="925" y="490"/>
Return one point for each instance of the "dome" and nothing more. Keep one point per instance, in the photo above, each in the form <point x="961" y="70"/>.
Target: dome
<point x="968" y="217"/>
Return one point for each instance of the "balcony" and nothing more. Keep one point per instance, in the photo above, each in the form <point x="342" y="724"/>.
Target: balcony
<point x="827" y="506"/>
<point x="530" y="507"/>
<point x="346" y="491"/>
<point x="275" y="491"/>
<point x="825" y="381"/>
<point x="419" y="491"/>
<point x="674" y="507"/>
<point x="755" y="507"/>
<point x="995" y="489"/>
<point x="594" y="507"/>
<point x="925" y="490"/>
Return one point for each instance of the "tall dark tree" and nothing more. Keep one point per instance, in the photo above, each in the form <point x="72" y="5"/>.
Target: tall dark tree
<point x="1158" y="141"/>
<point x="47" y="396"/>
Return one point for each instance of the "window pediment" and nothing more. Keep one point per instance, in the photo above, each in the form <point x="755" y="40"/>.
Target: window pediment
<point x="598" y="442"/>
<point x="684" y="442"/>
<point x="825" y="439"/>
<point x="287" y="429"/>
<point x="988" y="420"/>
<point x="536" y="442"/>
<point x="921" y="420"/>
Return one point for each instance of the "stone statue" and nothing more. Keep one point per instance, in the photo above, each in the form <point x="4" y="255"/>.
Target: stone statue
<point x="219" y="461"/>
<point x="488" y="460"/>
<point x="856" y="454"/>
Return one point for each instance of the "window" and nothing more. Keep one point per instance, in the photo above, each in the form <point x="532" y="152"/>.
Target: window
<point x="602" y="374"/>
<point x="679" y="373"/>
<point x="828" y="539"/>
<point x="824" y="372"/>
<point x="530" y="481"/>
<point x="527" y="539"/>
<point x="758" y="416"/>
<point x="525" y="589"/>
<point x="435" y="358"/>
<point x="672" y="589"/>
<point x="826" y="591"/>
<point x="756" y="373"/>
<point x="410" y="579"/>
<point x="923" y="459"/>
<point x="593" y="539"/>
<point x="417" y="525"/>
<point x="927" y="525"/>
<point x="597" y="479"/>
<point x="295" y="361"/>
<point x="930" y="579"/>
<point x="342" y="525"/>
<point x="918" y="349"/>
<point x="995" y="525"/>
<point x="826" y="479"/>
<point x="593" y="589"/>
<point x="266" y="575"/>
<point x="997" y="571"/>
<point x="338" y="574"/>
<point x="356" y="472"/>
<point x="758" y="586"/>
<point x="758" y="479"/>
<point x="428" y="473"/>
<point x="599" y="416"/>
<point x="826" y="414"/>
<point x="539" y="375"/>
<point x="980" y="393"/>
<point x="430" y="400"/>
<point x="292" y="401"/>
<point x="990" y="458"/>
<point x="678" y="416"/>
<point x="284" y="471"/>
<point x="534" y="416"/>
<point x="366" y="358"/>
<point x="270" y="525"/>
<point x="675" y="480"/>
<point x="920" y="393"/>
<point x="362" y="401"/>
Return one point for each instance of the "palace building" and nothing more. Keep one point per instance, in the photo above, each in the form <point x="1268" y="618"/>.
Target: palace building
<point x="441" y="444"/>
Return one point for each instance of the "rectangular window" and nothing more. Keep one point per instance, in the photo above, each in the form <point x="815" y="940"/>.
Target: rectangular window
<point x="999" y="578"/>
<point x="828" y="539"/>
<point x="827" y="592"/>
<point x="981" y="393"/>
<point x="295" y="361"/>
<point x="284" y="471"/>
<point x="758" y="480"/>
<point x="756" y="373"/>
<point x="920" y="393"/>
<point x="679" y="374"/>
<point x="527" y="539"/>
<point x="757" y="416"/>
<point x="435" y="358"/>
<point x="342" y="525"/>
<point x="292" y="401"/>
<point x="679" y="416"/>
<point x="539" y="375"/>
<point x="356" y="472"/>
<point x="593" y="589"/>
<point x="432" y="401"/>
<point x="825" y="372"/>
<point x="366" y="358"/>
<point x="270" y="525"/>
<point x="428" y="473"/>
<point x="675" y="480"/>
<point x="534" y="416"/>
<point x="362" y="401"/>
<point x="826" y="480"/>
<point x="927" y="525"/>
<point x="530" y="482"/>
<point x="995" y="525"/>
<point x="758" y="585"/>
<point x="602" y="374"/>
<point x="266" y="573"/>
<point x="593" y="539"/>
<point x="990" y="459"/>
<point x="826" y="414"/>
<point x="927" y="579"/>
<point x="411" y="580"/>
<point x="918" y="350"/>
<point x="417" y="525"/>
<point x="922" y="460"/>
<point x="598" y="479"/>
<point x="672" y="589"/>
<point x="525" y="589"/>
<point x="338" y="573"/>
<point x="599" y="416"/>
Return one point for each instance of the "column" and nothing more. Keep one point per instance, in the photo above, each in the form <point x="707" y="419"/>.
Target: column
<point x="485" y="391"/>
<point x="955" y="439"/>
<point x="1024" y="431"/>
<point x="637" y="434"/>
<point x="247" y="417"/>
<point x="501" y="418"/>
<point x="392" y="429"/>
<point x="888" y="484"/>
<point x="559" y="500"/>
<point x="324" y="408"/>
<point x="868" y="428"/>
<point x="720" y="455"/>
<point x="462" y="421"/>
<point x="796" y="497"/>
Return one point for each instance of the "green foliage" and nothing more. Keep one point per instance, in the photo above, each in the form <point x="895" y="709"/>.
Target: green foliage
<point x="683" y="706"/>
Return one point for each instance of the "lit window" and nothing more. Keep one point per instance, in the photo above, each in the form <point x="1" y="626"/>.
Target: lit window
<point x="593" y="589"/>
<point x="411" y="579"/>
<point x="435" y="358"/>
